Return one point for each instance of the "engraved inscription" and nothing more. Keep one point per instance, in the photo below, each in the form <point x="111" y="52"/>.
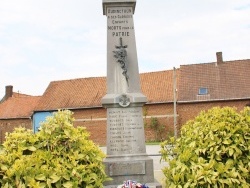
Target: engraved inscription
<point x="120" y="21"/>
<point x="120" y="11"/>
<point x="127" y="168"/>
<point x="124" y="127"/>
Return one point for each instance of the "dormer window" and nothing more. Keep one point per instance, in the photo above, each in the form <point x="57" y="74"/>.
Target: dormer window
<point x="203" y="91"/>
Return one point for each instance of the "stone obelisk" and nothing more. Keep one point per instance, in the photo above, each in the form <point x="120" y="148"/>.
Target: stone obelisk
<point x="126" y="150"/>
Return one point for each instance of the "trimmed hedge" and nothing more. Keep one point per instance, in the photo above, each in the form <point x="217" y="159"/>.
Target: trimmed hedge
<point x="59" y="155"/>
<point x="213" y="151"/>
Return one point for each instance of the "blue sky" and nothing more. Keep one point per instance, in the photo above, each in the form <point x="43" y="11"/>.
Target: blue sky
<point x="47" y="40"/>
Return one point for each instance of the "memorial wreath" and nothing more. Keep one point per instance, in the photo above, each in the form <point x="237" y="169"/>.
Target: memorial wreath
<point x="132" y="184"/>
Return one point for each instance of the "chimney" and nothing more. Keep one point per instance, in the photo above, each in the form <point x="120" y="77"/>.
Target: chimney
<point x="8" y="92"/>
<point x="219" y="58"/>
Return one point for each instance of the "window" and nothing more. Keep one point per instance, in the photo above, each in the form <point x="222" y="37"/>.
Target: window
<point x="203" y="91"/>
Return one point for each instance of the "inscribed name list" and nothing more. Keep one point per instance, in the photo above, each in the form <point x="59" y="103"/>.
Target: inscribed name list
<point x="125" y="126"/>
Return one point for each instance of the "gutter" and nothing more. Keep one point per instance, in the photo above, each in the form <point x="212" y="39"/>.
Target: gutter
<point x="213" y="100"/>
<point x="13" y="118"/>
<point x="104" y="119"/>
<point x="71" y="108"/>
<point x="166" y="102"/>
<point x="149" y="103"/>
<point x="90" y="107"/>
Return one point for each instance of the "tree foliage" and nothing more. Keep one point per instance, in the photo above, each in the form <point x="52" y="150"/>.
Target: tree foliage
<point x="212" y="151"/>
<point x="59" y="156"/>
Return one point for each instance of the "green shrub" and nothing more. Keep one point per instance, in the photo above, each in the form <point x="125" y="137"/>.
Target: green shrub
<point x="213" y="151"/>
<point x="158" y="129"/>
<point x="59" y="155"/>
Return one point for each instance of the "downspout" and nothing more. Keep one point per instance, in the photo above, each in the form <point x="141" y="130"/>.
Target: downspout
<point x="175" y="111"/>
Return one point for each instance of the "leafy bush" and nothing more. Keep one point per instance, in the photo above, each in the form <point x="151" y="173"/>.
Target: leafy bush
<point x="59" y="155"/>
<point x="158" y="129"/>
<point x="212" y="151"/>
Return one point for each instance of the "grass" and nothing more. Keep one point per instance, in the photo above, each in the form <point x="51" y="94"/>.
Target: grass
<point x="153" y="143"/>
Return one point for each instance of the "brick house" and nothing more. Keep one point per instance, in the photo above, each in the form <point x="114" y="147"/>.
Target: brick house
<point x="206" y="85"/>
<point x="199" y="87"/>
<point x="15" y="110"/>
<point x="83" y="97"/>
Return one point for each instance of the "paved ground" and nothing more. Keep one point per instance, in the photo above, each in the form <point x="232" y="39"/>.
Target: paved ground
<point x="153" y="152"/>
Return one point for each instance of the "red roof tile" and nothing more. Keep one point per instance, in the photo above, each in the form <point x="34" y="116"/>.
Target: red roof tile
<point x="158" y="86"/>
<point x="88" y="92"/>
<point x="15" y="94"/>
<point x="226" y="80"/>
<point x="18" y="106"/>
<point x="76" y="93"/>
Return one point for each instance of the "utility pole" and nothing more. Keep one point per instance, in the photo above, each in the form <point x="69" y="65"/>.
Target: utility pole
<point x="175" y="111"/>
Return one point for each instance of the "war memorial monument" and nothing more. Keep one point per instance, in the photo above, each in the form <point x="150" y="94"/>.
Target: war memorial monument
<point x="126" y="151"/>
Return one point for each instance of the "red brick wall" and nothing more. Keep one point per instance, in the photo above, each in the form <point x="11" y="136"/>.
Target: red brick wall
<point x="9" y="125"/>
<point x="164" y="114"/>
<point x="90" y="113"/>
<point x="97" y="130"/>
<point x="95" y="119"/>
<point x="166" y="122"/>
<point x="95" y="122"/>
<point x="188" y="111"/>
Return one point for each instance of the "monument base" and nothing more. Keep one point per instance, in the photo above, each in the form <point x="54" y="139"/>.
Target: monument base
<point x="138" y="168"/>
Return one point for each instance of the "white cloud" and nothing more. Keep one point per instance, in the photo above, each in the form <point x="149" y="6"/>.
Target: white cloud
<point x="36" y="42"/>
<point x="190" y="30"/>
<point x="46" y="40"/>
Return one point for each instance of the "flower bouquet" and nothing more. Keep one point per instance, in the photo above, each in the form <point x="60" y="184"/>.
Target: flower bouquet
<point x="132" y="184"/>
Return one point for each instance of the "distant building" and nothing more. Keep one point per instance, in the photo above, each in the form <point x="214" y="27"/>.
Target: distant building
<point x="199" y="87"/>
<point x="16" y="110"/>
<point x="83" y="97"/>
<point x="221" y="83"/>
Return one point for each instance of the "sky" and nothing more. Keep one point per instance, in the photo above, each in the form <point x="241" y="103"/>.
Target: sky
<point x="47" y="40"/>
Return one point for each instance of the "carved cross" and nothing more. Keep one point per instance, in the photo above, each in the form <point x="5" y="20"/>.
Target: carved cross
<point x="121" y="46"/>
<point x="121" y="56"/>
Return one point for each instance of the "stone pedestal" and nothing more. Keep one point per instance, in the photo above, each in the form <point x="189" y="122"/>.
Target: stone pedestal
<point x="126" y="150"/>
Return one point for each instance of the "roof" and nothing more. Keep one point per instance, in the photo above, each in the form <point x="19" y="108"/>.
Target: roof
<point x="75" y="93"/>
<point x="14" y="94"/>
<point x="88" y="92"/>
<point x="158" y="86"/>
<point x="226" y="80"/>
<point x="18" y="106"/>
